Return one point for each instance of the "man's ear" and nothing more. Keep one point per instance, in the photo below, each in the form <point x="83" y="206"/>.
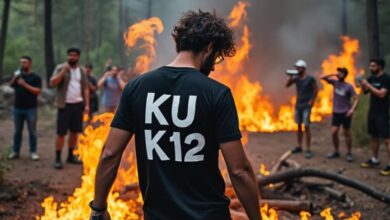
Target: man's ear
<point x="209" y="49"/>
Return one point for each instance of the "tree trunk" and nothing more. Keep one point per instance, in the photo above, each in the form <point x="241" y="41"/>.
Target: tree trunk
<point x="88" y="34"/>
<point x="373" y="28"/>
<point x="121" y="50"/>
<point x="48" y="36"/>
<point x="3" y="34"/>
<point x="344" y="18"/>
<point x="149" y="9"/>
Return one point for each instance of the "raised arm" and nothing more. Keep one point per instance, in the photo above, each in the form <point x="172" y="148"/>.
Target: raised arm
<point x="57" y="77"/>
<point x="290" y="81"/>
<point x="242" y="177"/>
<point x="327" y="78"/>
<point x="32" y="89"/>
<point x="101" y="81"/>
<point x="368" y="87"/>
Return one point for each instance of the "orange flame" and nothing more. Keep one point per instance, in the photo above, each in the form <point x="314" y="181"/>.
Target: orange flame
<point x="143" y="30"/>
<point x="76" y="207"/>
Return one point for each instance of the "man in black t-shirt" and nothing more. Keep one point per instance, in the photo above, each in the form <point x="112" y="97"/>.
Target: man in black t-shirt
<point x="378" y="85"/>
<point x="27" y="86"/>
<point x="92" y="85"/>
<point x="181" y="119"/>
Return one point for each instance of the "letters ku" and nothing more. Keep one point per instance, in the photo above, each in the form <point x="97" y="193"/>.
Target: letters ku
<point x="152" y="108"/>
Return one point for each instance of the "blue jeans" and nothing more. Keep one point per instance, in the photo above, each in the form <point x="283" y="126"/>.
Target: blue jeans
<point x="20" y="115"/>
<point x="302" y="115"/>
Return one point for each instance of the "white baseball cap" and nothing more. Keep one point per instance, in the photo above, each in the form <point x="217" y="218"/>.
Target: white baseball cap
<point x="300" y="63"/>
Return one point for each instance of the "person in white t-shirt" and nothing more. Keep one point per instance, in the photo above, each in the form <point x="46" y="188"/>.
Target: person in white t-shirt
<point x="72" y="102"/>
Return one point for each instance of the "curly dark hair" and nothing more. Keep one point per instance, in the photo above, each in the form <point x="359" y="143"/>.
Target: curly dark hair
<point x="195" y="30"/>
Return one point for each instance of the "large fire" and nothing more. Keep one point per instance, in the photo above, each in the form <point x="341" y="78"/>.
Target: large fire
<point x="255" y="109"/>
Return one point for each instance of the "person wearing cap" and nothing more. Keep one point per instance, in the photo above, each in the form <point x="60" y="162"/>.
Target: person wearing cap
<point x="343" y="110"/>
<point x="307" y="91"/>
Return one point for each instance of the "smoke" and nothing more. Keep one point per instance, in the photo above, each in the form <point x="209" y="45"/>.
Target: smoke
<point x="282" y="31"/>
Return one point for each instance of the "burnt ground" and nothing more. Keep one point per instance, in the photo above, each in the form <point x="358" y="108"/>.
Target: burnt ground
<point x="27" y="183"/>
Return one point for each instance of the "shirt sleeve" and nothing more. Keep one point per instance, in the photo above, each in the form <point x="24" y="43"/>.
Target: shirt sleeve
<point x="352" y="91"/>
<point x="123" y="117"/>
<point x="227" y="125"/>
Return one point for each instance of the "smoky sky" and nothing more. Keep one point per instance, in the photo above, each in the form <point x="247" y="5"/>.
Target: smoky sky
<point x="282" y="31"/>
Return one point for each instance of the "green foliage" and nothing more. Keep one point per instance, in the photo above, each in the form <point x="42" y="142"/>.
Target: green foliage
<point x="4" y="163"/>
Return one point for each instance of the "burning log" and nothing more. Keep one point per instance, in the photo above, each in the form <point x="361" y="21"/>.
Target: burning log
<point x="305" y="172"/>
<point x="289" y="205"/>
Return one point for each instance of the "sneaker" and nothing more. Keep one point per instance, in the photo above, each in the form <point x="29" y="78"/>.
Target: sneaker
<point x="296" y="150"/>
<point x="349" y="157"/>
<point x="13" y="155"/>
<point x="58" y="165"/>
<point x="308" y="154"/>
<point x="370" y="163"/>
<point x="386" y="171"/>
<point x="73" y="160"/>
<point x="34" y="156"/>
<point x="333" y="155"/>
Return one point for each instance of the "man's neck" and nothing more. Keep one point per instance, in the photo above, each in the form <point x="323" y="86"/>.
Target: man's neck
<point x="27" y="71"/>
<point x="186" y="59"/>
<point x="380" y="73"/>
<point x="303" y="75"/>
<point x="74" y="66"/>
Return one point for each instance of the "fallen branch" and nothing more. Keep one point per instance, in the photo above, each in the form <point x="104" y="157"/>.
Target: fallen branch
<point x="335" y="193"/>
<point x="305" y="172"/>
<point x="279" y="163"/>
<point x="288" y="205"/>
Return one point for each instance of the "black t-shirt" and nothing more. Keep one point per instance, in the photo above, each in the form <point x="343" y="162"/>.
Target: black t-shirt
<point x="179" y="116"/>
<point x="24" y="99"/>
<point x="93" y="98"/>
<point x="379" y="106"/>
<point x="305" y="90"/>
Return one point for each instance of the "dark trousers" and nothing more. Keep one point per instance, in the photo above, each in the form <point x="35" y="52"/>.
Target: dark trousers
<point x="30" y="116"/>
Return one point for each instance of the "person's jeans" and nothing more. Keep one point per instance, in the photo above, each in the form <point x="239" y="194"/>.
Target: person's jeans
<point x="30" y="115"/>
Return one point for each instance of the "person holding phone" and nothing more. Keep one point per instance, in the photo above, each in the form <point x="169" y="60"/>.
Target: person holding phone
<point x="72" y="102"/>
<point x="112" y="85"/>
<point x="27" y="86"/>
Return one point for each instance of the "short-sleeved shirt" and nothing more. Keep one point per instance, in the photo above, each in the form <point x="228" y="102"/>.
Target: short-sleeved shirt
<point x="379" y="106"/>
<point x="179" y="117"/>
<point x="24" y="99"/>
<point x="342" y="93"/>
<point x="305" y="90"/>
<point x="111" y="92"/>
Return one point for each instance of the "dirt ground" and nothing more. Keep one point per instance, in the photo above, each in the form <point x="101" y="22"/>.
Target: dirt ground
<point x="27" y="183"/>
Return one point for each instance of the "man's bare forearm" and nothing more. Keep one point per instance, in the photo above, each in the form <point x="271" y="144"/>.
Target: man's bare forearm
<point x="105" y="176"/>
<point x="108" y="165"/>
<point x="57" y="78"/>
<point x="377" y="92"/>
<point x="245" y="186"/>
<point x="34" y="90"/>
